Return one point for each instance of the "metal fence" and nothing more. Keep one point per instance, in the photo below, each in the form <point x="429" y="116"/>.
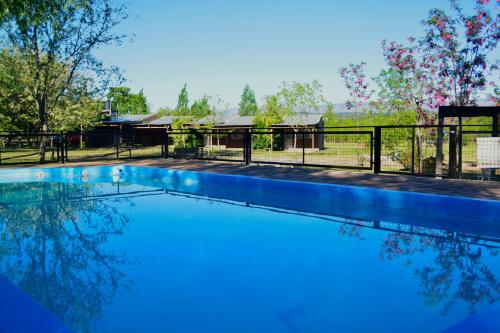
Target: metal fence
<point x="411" y="150"/>
<point x="207" y="145"/>
<point x="25" y="148"/>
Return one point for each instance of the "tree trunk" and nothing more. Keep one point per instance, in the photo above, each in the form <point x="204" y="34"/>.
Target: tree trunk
<point x="420" y="160"/>
<point x="81" y="137"/>
<point x="420" y="140"/>
<point x="42" y="114"/>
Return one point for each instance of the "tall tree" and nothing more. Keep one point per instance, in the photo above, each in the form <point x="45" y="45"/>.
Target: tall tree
<point x="183" y="102"/>
<point x="126" y="102"/>
<point x="201" y="107"/>
<point x="57" y="40"/>
<point x="17" y="108"/>
<point x="299" y="100"/>
<point x="248" y="103"/>
<point x="459" y="45"/>
<point x="272" y="112"/>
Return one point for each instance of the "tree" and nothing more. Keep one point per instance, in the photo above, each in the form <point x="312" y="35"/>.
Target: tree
<point x="271" y="113"/>
<point x="411" y="82"/>
<point x="201" y="107"/>
<point x="76" y="110"/>
<point x="299" y="100"/>
<point x="458" y="45"/>
<point x="329" y="115"/>
<point x="183" y="102"/>
<point x="56" y="40"/>
<point x="126" y="102"/>
<point x="248" y="103"/>
<point x="17" y="108"/>
<point x="355" y="81"/>
<point x="166" y="111"/>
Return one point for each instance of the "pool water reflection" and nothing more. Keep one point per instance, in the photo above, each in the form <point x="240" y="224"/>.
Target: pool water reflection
<point x="132" y="254"/>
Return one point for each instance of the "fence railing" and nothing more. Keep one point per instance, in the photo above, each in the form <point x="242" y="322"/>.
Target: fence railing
<point x="447" y="151"/>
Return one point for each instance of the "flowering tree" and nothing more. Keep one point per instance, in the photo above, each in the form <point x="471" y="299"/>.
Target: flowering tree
<point x="458" y="46"/>
<point x="356" y="83"/>
<point x="412" y="79"/>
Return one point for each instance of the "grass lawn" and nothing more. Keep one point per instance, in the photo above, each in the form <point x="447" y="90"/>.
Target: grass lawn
<point x="347" y="154"/>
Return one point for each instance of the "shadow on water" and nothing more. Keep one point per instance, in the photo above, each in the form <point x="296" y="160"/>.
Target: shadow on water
<point x="52" y="239"/>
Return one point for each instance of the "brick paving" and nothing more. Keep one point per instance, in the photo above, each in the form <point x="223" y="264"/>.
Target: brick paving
<point x="468" y="188"/>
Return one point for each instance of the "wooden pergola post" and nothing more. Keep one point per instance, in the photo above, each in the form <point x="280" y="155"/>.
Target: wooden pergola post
<point x="459" y="112"/>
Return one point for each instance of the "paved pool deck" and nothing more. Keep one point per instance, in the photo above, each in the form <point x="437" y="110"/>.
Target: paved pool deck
<point x="458" y="187"/>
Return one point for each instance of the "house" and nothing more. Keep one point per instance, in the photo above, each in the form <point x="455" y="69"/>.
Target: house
<point x="127" y="126"/>
<point x="220" y="131"/>
<point x="229" y="131"/>
<point x="311" y="123"/>
<point x="153" y="131"/>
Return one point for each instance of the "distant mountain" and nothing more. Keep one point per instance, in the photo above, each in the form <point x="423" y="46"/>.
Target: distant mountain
<point x="338" y="108"/>
<point x="341" y="109"/>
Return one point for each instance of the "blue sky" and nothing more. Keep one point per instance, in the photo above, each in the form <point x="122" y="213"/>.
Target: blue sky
<point x="218" y="46"/>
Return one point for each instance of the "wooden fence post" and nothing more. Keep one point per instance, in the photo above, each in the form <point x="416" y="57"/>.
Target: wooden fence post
<point x="377" y="148"/>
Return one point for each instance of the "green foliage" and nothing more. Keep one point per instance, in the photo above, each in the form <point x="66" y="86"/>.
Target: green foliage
<point x="165" y="111"/>
<point x="200" y="108"/>
<point x="248" y="103"/>
<point x="375" y="119"/>
<point x="55" y="41"/>
<point x="329" y="116"/>
<point x="393" y="88"/>
<point x="301" y="98"/>
<point x="188" y="138"/>
<point x="17" y="108"/>
<point x="81" y="115"/>
<point x="272" y="113"/>
<point x="182" y="108"/>
<point x="126" y="102"/>
<point x="75" y="110"/>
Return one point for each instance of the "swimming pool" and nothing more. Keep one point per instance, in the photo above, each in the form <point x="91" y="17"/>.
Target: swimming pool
<point x="128" y="249"/>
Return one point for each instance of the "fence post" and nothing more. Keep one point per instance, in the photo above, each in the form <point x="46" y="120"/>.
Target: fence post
<point x="247" y="147"/>
<point x="62" y="144"/>
<point x="452" y="172"/>
<point x="58" y="148"/>
<point x="413" y="150"/>
<point x="117" y="141"/>
<point x="303" y="147"/>
<point x="65" y="148"/>
<point x="377" y="148"/>
<point x="167" y="143"/>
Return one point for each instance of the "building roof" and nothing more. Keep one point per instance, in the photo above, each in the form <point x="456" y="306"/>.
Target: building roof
<point x="300" y="120"/>
<point x="129" y="119"/>
<point x="212" y="120"/>
<point x="163" y="121"/>
<point x="237" y="121"/>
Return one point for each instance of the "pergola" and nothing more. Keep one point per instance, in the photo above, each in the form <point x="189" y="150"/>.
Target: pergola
<point x="463" y="112"/>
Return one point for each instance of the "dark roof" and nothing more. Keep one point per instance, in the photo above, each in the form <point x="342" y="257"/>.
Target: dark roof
<point x="129" y="119"/>
<point x="212" y="120"/>
<point x="237" y="121"/>
<point x="163" y="121"/>
<point x="469" y="111"/>
<point x="300" y="120"/>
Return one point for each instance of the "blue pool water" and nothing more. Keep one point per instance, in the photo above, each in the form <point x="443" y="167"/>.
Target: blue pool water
<point x="155" y="250"/>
